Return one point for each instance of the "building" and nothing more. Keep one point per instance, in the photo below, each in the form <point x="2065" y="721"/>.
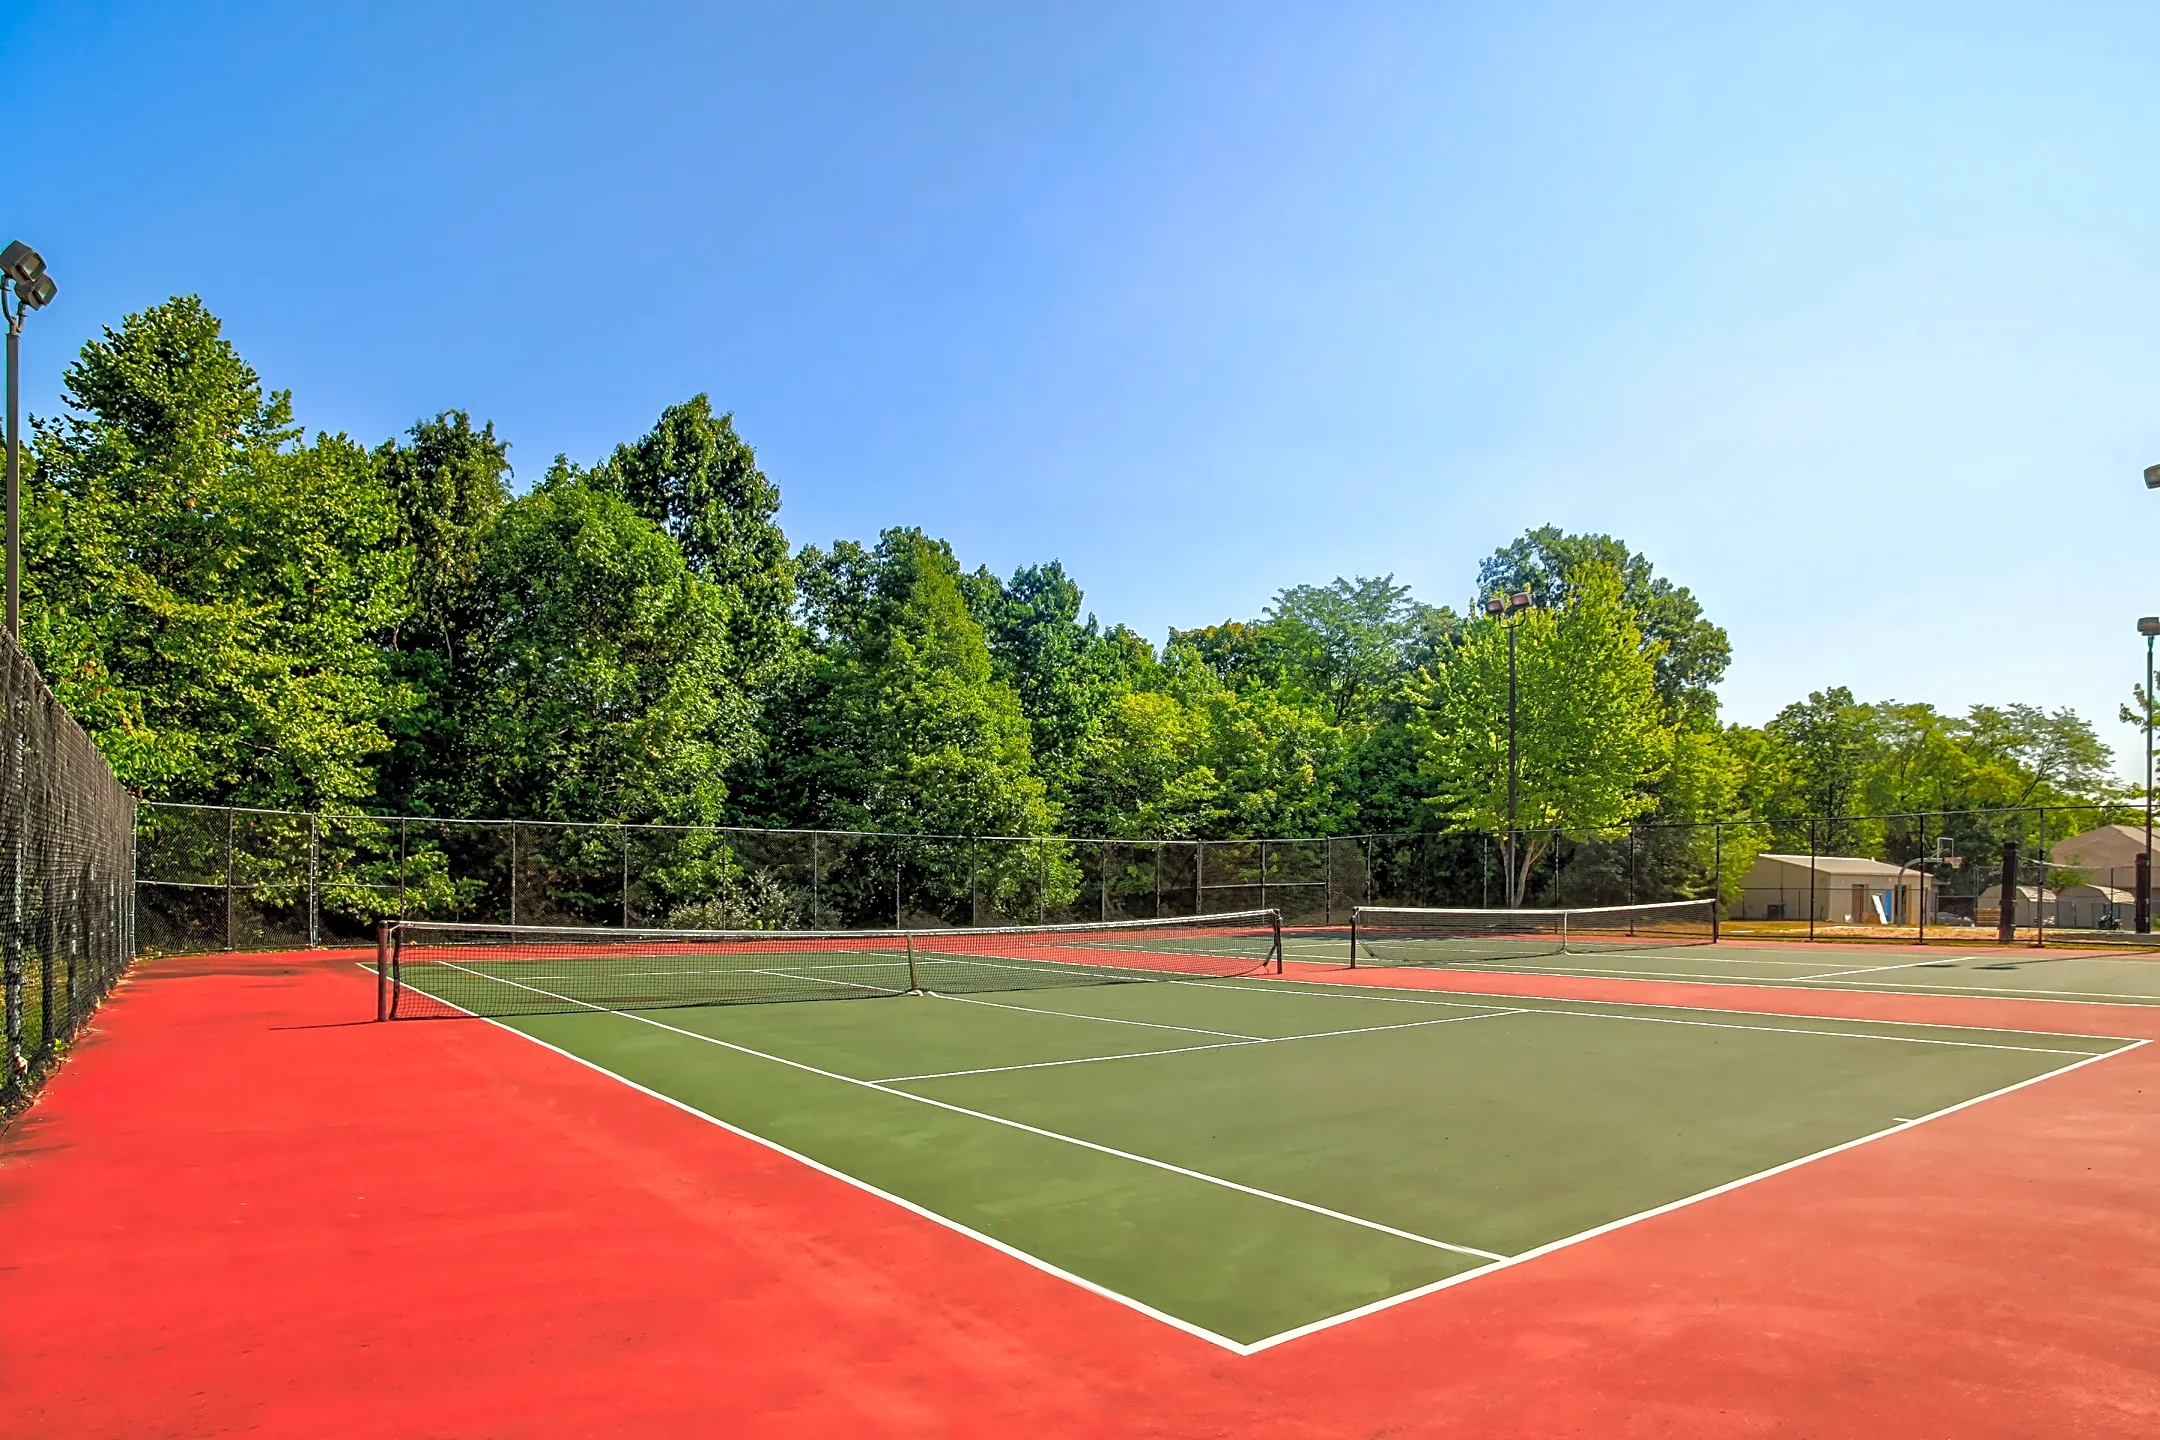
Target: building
<point x="1845" y="890"/>
<point x="2095" y="907"/>
<point x="2106" y="856"/>
<point x="2030" y="911"/>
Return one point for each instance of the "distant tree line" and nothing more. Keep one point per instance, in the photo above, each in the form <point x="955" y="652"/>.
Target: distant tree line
<point x="243" y="614"/>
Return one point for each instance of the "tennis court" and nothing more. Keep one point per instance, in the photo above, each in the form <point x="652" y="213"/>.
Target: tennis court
<point x="1971" y="965"/>
<point x="1246" y="1156"/>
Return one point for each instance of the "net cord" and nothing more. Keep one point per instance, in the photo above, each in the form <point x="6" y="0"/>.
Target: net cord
<point x="1270" y="917"/>
<point x="1563" y="912"/>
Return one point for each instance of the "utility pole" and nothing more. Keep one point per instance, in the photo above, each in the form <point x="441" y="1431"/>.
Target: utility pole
<point x="22" y="272"/>
<point x="1508" y="611"/>
<point x="2149" y="627"/>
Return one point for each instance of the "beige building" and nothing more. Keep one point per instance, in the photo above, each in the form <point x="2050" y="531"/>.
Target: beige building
<point x="2095" y="907"/>
<point x="2035" y="906"/>
<point x="1843" y="889"/>
<point x="2106" y="857"/>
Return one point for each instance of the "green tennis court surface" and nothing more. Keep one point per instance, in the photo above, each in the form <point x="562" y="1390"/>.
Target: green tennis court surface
<point x="1978" y="968"/>
<point x="1245" y="1157"/>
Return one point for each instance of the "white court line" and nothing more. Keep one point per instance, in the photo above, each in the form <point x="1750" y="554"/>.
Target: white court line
<point x="1081" y="1060"/>
<point x="1727" y="1188"/>
<point x="820" y="979"/>
<point x="1937" y="963"/>
<point x="1200" y="1332"/>
<point x="1103" y="1019"/>
<point x="1944" y="991"/>
<point x="1073" y="1140"/>
<point x="1328" y="1322"/>
<point x="1559" y="1007"/>
<point x="1190" y="1049"/>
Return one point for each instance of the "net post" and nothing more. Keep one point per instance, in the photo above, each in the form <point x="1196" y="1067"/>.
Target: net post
<point x="1353" y="934"/>
<point x="914" y="983"/>
<point x="382" y="970"/>
<point x="1275" y="924"/>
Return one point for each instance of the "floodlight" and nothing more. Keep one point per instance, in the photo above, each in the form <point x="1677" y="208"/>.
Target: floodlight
<point x="1495" y="605"/>
<point x="2152" y="477"/>
<point x="38" y="293"/>
<point x="23" y="265"/>
<point x="2149" y="626"/>
<point x="1520" y="600"/>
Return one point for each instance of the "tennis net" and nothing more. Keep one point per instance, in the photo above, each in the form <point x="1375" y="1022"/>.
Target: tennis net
<point x="1389" y="935"/>
<point x="432" y="969"/>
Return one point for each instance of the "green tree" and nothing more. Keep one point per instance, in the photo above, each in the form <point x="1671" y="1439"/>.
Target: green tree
<point x="607" y="689"/>
<point x="1062" y="668"/>
<point x="902" y="724"/>
<point x="449" y="485"/>
<point x="203" y="588"/>
<point x="697" y="479"/>
<point x="1592" y="732"/>
<point x="1690" y="653"/>
<point x="899" y="723"/>
<point x="1349" y="644"/>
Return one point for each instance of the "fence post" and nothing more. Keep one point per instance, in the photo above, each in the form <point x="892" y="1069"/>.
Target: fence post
<point x="2143" y="900"/>
<point x="14" y="726"/>
<point x="2006" y="914"/>
<point x="1042" y="882"/>
<point x="1717" y="877"/>
<point x="2040" y="880"/>
<point x="1920" y="888"/>
<point x="1327" y="883"/>
<point x="815" y="857"/>
<point x="513" y="872"/>
<point x="1811" y="877"/>
<point x="1199" y="877"/>
<point x="314" y="880"/>
<point x="623" y="832"/>
<point x="1263" y="875"/>
<point x="229" y="878"/>
<point x="1102" y="867"/>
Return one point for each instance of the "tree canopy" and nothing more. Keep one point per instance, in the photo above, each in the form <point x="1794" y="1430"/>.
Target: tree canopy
<point x="241" y="613"/>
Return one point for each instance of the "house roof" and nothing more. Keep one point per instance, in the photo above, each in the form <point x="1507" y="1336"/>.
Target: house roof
<point x="2104" y="848"/>
<point x="1840" y="864"/>
<point x="2114" y="896"/>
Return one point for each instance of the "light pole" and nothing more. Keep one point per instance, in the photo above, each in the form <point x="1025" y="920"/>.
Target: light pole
<point x="22" y="271"/>
<point x="1508" y="611"/>
<point x="2149" y="627"/>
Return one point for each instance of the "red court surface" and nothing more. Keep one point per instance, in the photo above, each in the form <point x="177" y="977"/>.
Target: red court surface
<point x="240" y="1212"/>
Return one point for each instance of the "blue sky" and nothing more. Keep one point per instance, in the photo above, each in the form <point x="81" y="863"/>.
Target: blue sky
<point x="1848" y="317"/>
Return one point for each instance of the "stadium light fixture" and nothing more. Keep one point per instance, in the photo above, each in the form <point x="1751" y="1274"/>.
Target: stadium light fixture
<point x="22" y="272"/>
<point x="2152" y="477"/>
<point x="20" y="263"/>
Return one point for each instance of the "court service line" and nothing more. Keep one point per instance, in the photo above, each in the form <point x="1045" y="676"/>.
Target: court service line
<point x="1940" y="963"/>
<point x="1186" y="1049"/>
<point x="1074" y="1140"/>
<point x="1104" y="1019"/>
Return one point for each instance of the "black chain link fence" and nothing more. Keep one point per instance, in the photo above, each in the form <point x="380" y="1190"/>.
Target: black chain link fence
<point x="67" y="848"/>
<point x="222" y="878"/>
